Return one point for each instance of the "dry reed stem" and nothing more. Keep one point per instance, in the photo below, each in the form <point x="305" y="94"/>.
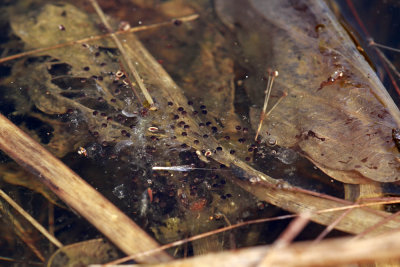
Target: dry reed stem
<point x="332" y="226"/>
<point x="30" y="219"/>
<point x="200" y="236"/>
<point x="126" y="58"/>
<point x="332" y="252"/>
<point x="78" y="194"/>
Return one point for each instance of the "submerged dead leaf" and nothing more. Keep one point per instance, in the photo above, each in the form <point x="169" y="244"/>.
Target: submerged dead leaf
<point x="96" y="251"/>
<point x="10" y="173"/>
<point x="338" y="114"/>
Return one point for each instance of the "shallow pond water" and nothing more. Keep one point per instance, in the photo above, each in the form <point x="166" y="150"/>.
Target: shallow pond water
<point x="81" y="103"/>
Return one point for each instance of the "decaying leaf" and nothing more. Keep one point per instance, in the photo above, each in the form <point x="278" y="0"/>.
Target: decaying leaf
<point x="337" y="113"/>
<point x="96" y="251"/>
<point x="10" y="173"/>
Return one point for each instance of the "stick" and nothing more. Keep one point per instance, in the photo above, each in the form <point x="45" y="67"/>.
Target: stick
<point x="78" y="194"/>
<point x="332" y="252"/>
<point x="294" y="228"/>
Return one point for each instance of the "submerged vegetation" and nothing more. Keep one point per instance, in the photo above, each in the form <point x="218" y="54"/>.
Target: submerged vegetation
<point x="187" y="128"/>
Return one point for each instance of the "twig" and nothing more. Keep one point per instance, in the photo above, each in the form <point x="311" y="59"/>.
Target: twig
<point x="197" y="237"/>
<point x="21" y="231"/>
<point x="21" y="261"/>
<point x="373" y="227"/>
<point x="390" y="64"/>
<point x="332" y="252"/>
<point x="127" y="60"/>
<point x="99" y="37"/>
<point x="293" y="229"/>
<point x="396" y="201"/>
<point x="51" y="223"/>
<point x="30" y="219"/>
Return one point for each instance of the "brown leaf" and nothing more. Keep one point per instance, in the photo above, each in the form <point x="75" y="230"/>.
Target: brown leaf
<point x="337" y="113"/>
<point x="12" y="174"/>
<point x="94" y="251"/>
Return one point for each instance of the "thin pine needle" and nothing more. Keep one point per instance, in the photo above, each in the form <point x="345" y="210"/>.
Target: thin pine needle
<point x="373" y="227"/>
<point x="293" y="230"/>
<point x="331" y="226"/>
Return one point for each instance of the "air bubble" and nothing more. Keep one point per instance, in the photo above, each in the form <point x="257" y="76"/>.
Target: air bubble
<point x="128" y="111"/>
<point x="119" y="191"/>
<point x="120" y="145"/>
<point x="287" y="156"/>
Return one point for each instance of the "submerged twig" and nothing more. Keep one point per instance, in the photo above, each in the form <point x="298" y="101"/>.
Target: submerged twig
<point x="293" y="229"/>
<point x="388" y="62"/>
<point x="30" y="219"/>
<point x="200" y="236"/>
<point x="127" y="60"/>
<point x="290" y="233"/>
<point x="332" y="226"/>
<point x="332" y="252"/>
<point x="2" y="258"/>
<point x="373" y="44"/>
<point x="20" y="231"/>
<point x="373" y="227"/>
